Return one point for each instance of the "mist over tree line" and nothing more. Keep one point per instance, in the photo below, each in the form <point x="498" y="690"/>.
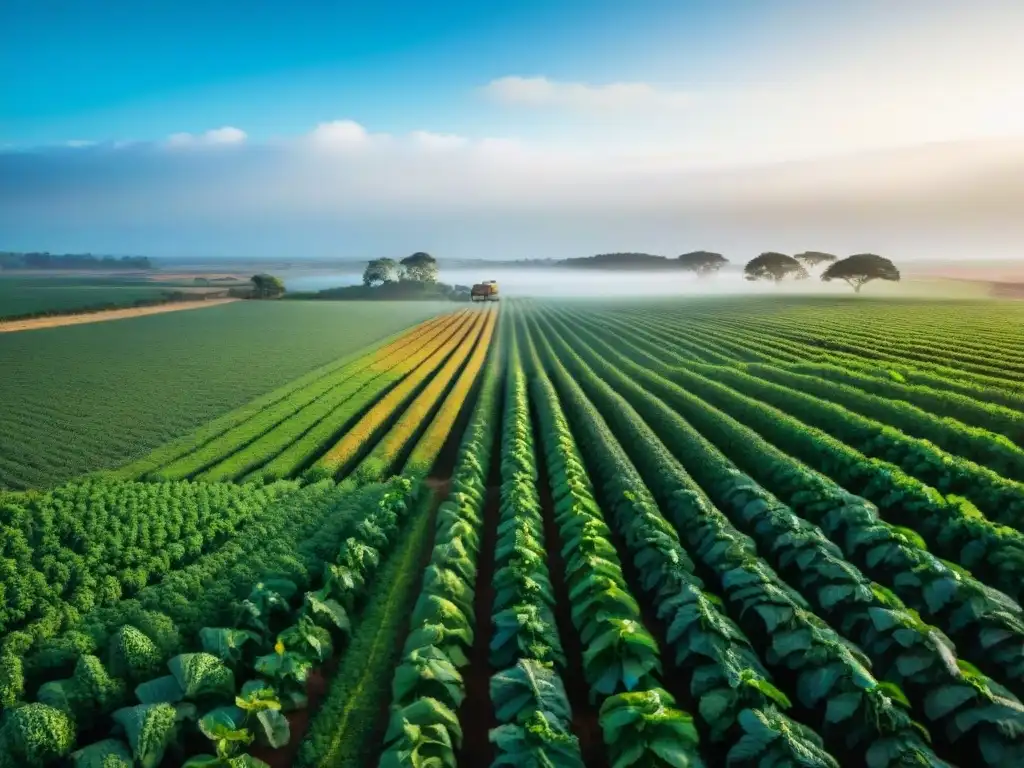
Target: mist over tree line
<point x="44" y="260"/>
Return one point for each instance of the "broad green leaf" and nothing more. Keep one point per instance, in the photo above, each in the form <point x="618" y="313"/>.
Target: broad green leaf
<point x="842" y="707"/>
<point x="225" y="644"/>
<point x="202" y="674"/>
<point x="528" y="687"/>
<point x="150" y="729"/>
<point x="275" y="730"/>
<point x="328" y="611"/>
<point x="221" y="722"/>
<point x="109" y="753"/>
<point x="162" y="689"/>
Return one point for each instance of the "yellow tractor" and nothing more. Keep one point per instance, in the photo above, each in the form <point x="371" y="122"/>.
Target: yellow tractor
<point x="485" y="291"/>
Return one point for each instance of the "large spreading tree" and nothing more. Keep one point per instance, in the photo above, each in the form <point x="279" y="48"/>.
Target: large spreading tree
<point x="813" y="259"/>
<point x="702" y="262"/>
<point x="861" y="268"/>
<point x="420" y="267"/>
<point x="774" y="266"/>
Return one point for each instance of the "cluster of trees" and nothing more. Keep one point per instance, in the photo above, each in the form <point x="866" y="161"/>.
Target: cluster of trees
<point x="700" y="262"/>
<point x="855" y="270"/>
<point x="419" y="268"/>
<point x="266" y="286"/>
<point x="412" y="278"/>
<point x="44" y="260"/>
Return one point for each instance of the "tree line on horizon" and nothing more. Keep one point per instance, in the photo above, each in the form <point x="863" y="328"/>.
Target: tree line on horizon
<point x="856" y="270"/>
<point x="46" y="260"/>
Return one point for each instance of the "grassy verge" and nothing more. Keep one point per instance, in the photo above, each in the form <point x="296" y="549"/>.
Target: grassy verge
<point x="347" y="731"/>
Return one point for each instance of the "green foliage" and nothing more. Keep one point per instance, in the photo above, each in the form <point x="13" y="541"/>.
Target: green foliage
<point x="109" y="753"/>
<point x="35" y="735"/>
<point x="133" y="656"/>
<point x="648" y="723"/>
<point x="150" y="729"/>
<point x="860" y="269"/>
<point x="74" y="367"/>
<point x="774" y="266"/>
<point x="530" y="686"/>
<point x="344" y="729"/>
<point x="541" y="741"/>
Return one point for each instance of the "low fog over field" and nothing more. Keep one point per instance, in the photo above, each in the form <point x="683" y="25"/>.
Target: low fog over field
<point x="554" y="281"/>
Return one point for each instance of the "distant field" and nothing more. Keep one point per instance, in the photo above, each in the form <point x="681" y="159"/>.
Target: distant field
<point x="85" y="397"/>
<point x="21" y="295"/>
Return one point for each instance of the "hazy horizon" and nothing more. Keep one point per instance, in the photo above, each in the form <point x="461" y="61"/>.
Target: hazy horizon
<point x="515" y="133"/>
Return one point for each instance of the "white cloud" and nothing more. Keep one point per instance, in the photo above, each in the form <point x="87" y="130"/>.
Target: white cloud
<point x="79" y="143"/>
<point x="339" y="134"/>
<point x="438" y="141"/>
<point x="215" y="137"/>
<point x="542" y="92"/>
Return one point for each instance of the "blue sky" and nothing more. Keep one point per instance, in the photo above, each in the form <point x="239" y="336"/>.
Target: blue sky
<point x="319" y="128"/>
<point x="143" y="70"/>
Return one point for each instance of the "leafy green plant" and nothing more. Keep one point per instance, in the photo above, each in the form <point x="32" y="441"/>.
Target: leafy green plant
<point x="150" y="730"/>
<point x="307" y="639"/>
<point x="427" y="673"/>
<point x="287" y="672"/>
<point x="621" y="655"/>
<point x="266" y="599"/>
<point x="530" y="686"/>
<point x="540" y="741"/>
<point x="225" y="727"/>
<point x="132" y="656"/>
<point x="769" y="738"/>
<point x="194" y="676"/>
<point x="228" y="645"/>
<point x="86" y="695"/>
<point x="35" y="734"/>
<point x="645" y="729"/>
<point x="109" y="753"/>
<point x="525" y="630"/>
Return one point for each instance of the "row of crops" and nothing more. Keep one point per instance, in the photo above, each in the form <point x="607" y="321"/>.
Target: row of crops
<point x="82" y="398"/>
<point x="585" y="535"/>
<point x="152" y="618"/>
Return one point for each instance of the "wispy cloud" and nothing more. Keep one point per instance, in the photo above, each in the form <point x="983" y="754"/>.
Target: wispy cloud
<point x="214" y="137"/>
<point x="543" y="92"/>
<point x="438" y="141"/>
<point x="502" y="197"/>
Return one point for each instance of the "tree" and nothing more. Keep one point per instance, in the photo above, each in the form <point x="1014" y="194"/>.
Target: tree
<point x="420" y="267"/>
<point x="702" y="262"/>
<point x="812" y="259"/>
<point x="266" y="286"/>
<point x="380" y="271"/>
<point x="774" y="266"/>
<point x="861" y="268"/>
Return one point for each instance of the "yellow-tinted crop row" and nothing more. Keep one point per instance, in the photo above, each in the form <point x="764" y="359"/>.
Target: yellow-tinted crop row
<point x="317" y="430"/>
<point x="368" y="428"/>
<point x="379" y="462"/>
<point x="430" y="443"/>
<point x="284" y="433"/>
<point x="265" y="420"/>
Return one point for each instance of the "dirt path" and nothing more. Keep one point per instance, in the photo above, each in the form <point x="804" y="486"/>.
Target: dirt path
<point x="55" y="321"/>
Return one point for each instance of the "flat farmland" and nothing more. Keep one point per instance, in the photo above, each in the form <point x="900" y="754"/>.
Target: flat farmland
<point x="26" y="295"/>
<point x="82" y="398"/>
<point x="745" y="532"/>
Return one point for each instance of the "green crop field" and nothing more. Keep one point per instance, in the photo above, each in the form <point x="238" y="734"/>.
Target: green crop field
<point x="81" y="398"/>
<point x="24" y="295"/>
<point x="741" y="532"/>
